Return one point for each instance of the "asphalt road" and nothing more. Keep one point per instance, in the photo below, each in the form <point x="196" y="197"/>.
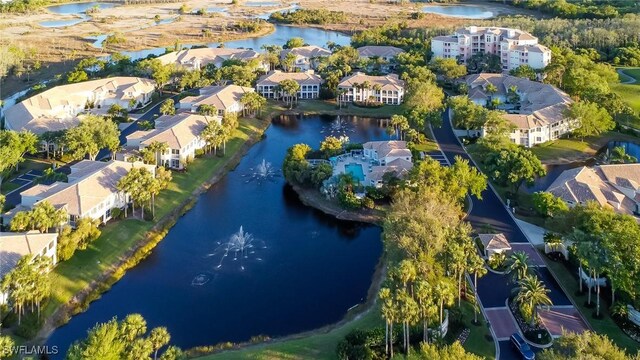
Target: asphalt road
<point x="493" y="289"/>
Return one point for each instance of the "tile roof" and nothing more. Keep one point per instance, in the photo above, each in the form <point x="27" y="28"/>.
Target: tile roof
<point x="176" y="131"/>
<point x="52" y="110"/>
<point x="274" y="77"/>
<point x="13" y="246"/>
<point x="494" y="241"/>
<point x="605" y="184"/>
<point x="540" y="104"/>
<point x="388" y="148"/>
<point x="207" y="55"/>
<point x="380" y="51"/>
<point x="387" y="82"/>
<point x="310" y="51"/>
<point x="90" y="183"/>
<point x="222" y="97"/>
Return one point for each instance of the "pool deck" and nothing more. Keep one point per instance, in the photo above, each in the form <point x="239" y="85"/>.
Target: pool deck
<point x="344" y="160"/>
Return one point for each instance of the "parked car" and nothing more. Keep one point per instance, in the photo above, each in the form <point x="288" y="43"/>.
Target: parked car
<point x="523" y="348"/>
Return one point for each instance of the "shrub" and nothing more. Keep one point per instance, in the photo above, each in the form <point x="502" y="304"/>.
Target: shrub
<point x="368" y="203"/>
<point x="362" y="344"/>
<point x="29" y="326"/>
<point x="116" y="213"/>
<point x="199" y="152"/>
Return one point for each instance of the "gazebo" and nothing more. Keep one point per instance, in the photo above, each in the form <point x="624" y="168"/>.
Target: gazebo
<point x="494" y="244"/>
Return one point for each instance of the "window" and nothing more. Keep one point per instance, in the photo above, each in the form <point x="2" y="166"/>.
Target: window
<point x="50" y="245"/>
<point x="175" y="151"/>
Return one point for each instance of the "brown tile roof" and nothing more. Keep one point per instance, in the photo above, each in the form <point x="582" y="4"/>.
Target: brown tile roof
<point x="13" y="246"/>
<point x="176" y="131"/>
<point x="222" y="97"/>
<point x="274" y="77"/>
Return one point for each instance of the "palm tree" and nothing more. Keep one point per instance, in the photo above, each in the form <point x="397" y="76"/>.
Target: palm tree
<point x="426" y="305"/>
<point x="159" y="337"/>
<point x="157" y="148"/>
<point x="389" y="315"/>
<point x="444" y="294"/>
<point x="553" y="240"/>
<point x="408" y="313"/>
<point x="518" y="265"/>
<point x="531" y="293"/>
<point x="476" y="265"/>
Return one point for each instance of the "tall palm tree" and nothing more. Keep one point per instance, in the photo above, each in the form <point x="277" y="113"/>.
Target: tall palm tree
<point x="518" y="266"/>
<point x="159" y="337"/>
<point x="530" y="294"/>
<point x="476" y="265"/>
<point x="389" y="310"/>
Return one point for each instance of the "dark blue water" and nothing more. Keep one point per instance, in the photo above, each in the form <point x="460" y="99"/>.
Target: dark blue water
<point x="313" y="269"/>
<point x="630" y="148"/>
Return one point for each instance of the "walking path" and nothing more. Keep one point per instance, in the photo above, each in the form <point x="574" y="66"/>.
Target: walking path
<point x="494" y="289"/>
<point x="630" y="79"/>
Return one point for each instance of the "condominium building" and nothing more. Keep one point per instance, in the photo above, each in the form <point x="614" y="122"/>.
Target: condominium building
<point x="514" y="47"/>
<point x="226" y="99"/>
<point x="199" y="58"/>
<point x="388" y="89"/>
<point x="91" y="191"/>
<point x="58" y="108"/>
<point x="14" y="245"/>
<point x="180" y="133"/>
<point x="267" y="85"/>
<point x="306" y="57"/>
<point x="536" y="109"/>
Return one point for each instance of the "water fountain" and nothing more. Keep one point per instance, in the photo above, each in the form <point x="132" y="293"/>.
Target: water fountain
<point x="241" y="246"/>
<point x="263" y="172"/>
<point x="338" y="128"/>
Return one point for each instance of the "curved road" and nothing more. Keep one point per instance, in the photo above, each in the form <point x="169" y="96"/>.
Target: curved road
<point x="494" y="289"/>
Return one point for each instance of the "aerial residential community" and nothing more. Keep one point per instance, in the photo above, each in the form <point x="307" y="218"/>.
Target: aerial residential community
<point x="316" y="179"/>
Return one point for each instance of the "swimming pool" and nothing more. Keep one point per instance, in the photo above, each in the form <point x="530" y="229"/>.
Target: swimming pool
<point x="355" y="170"/>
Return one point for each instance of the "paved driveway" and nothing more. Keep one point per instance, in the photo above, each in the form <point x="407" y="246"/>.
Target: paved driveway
<point x="494" y="289"/>
<point x="534" y="255"/>
<point x="501" y="322"/>
<point x="559" y="318"/>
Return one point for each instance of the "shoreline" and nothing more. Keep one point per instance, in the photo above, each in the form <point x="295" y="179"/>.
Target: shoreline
<point x="312" y="198"/>
<point x="143" y="247"/>
<point x="354" y="313"/>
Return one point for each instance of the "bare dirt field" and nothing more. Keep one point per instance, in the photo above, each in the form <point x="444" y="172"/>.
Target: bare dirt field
<point x="58" y="49"/>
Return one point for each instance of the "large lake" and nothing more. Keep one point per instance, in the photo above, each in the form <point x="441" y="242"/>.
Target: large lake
<point x="305" y="270"/>
<point x="279" y="36"/>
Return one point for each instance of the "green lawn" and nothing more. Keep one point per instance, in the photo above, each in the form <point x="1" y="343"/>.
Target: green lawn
<point x="118" y="237"/>
<point x="479" y="340"/>
<point x="320" y="345"/>
<point x="26" y="166"/>
<point x="328" y="107"/>
<point x="605" y="325"/>
<point x="570" y="150"/>
<point x="630" y="93"/>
